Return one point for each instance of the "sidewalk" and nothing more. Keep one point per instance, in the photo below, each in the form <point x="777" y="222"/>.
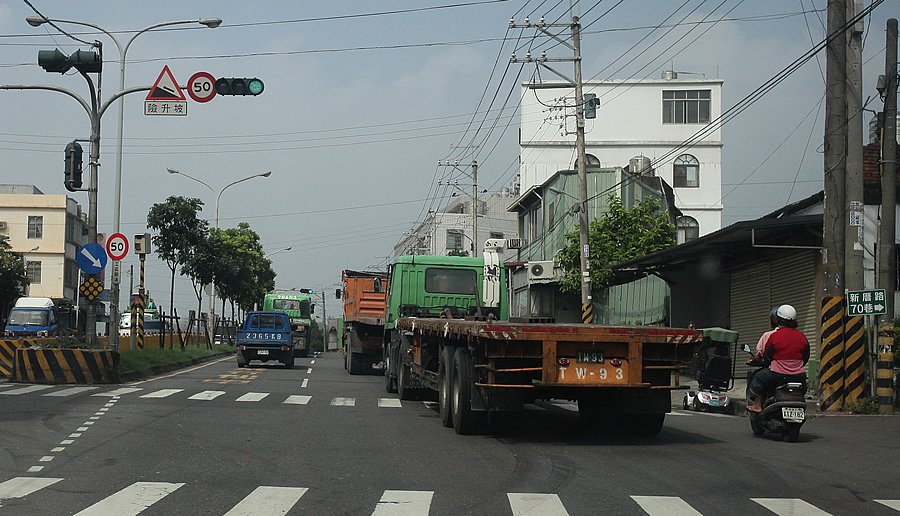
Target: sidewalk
<point x="737" y="407"/>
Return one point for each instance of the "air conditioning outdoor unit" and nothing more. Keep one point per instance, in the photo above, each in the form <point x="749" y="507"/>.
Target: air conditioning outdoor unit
<point x="541" y="272"/>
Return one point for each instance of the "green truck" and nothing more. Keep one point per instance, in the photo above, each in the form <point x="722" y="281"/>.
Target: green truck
<point x="299" y="308"/>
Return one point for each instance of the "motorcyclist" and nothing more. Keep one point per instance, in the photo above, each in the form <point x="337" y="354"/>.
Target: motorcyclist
<point x="784" y="352"/>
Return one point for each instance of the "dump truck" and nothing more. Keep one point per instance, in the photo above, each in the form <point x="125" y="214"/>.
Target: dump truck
<point x="365" y="302"/>
<point x="448" y="337"/>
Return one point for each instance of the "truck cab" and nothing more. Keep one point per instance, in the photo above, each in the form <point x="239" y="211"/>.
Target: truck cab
<point x="33" y="317"/>
<point x="265" y="336"/>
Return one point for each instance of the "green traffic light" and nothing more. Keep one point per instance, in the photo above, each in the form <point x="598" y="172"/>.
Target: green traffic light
<point x="255" y="86"/>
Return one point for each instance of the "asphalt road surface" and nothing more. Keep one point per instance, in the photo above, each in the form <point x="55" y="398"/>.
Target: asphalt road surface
<point x="314" y="440"/>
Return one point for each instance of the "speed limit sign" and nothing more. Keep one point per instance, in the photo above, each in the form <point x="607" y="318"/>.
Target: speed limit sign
<point x="202" y="86"/>
<point x="117" y="246"/>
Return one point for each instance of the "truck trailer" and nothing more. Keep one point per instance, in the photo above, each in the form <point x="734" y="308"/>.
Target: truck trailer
<point x="365" y="302"/>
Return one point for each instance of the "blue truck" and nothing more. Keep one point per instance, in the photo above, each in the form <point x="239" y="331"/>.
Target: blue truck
<point x="265" y="336"/>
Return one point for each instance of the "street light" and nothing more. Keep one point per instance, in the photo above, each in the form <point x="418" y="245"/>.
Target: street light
<point x="37" y="21"/>
<point x="276" y="252"/>
<point x="212" y="294"/>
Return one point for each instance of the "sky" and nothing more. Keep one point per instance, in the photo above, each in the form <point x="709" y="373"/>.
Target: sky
<point x="363" y="99"/>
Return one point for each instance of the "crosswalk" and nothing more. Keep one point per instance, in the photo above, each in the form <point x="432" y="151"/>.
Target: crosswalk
<point x="264" y="500"/>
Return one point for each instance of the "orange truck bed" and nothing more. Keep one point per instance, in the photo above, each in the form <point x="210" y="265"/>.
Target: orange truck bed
<point x="365" y="296"/>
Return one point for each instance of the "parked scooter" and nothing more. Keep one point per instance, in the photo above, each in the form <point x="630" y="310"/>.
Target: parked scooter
<point x="783" y="411"/>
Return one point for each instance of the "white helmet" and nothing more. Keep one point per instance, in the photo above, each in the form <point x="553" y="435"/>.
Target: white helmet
<point x="786" y="312"/>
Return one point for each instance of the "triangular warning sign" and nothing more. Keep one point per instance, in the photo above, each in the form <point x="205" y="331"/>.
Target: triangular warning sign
<point x="166" y="87"/>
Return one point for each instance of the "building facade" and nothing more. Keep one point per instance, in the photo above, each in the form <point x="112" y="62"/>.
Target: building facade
<point x="47" y="231"/>
<point x="648" y="119"/>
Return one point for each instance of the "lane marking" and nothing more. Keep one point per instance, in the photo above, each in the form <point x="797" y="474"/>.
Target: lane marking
<point x="58" y="449"/>
<point x="26" y="390"/>
<point x="311" y="362"/>
<point x="23" y="486"/>
<point x="206" y="395"/>
<point x="46" y="458"/>
<point x="389" y="402"/>
<point x="308" y="371"/>
<point x="343" y="402"/>
<point x="34" y="469"/>
<point x="404" y="503"/>
<point x="536" y="504"/>
<point x="70" y="391"/>
<point x="680" y="413"/>
<point x="665" y="505"/>
<point x="297" y="399"/>
<point x="305" y="382"/>
<point x="81" y="429"/>
<point x="162" y="393"/>
<point x="75" y="436"/>
<point x="66" y="442"/>
<point x="265" y="500"/>
<point x="119" y="392"/>
<point x="253" y="396"/>
<point x="893" y="504"/>
<point x="790" y="507"/>
<point x="131" y="500"/>
<point x="230" y="357"/>
<point x="88" y="423"/>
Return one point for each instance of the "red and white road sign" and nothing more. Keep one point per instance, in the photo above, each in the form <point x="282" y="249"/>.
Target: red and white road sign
<point x="202" y="87"/>
<point x="165" y="88"/>
<point x="117" y="246"/>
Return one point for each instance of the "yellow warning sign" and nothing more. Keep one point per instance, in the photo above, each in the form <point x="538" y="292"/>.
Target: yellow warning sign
<point x="91" y="288"/>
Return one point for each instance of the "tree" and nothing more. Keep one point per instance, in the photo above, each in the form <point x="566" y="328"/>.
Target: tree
<point x="13" y="279"/>
<point x="201" y="264"/>
<point x="617" y="236"/>
<point x="242" y="274"/>
<point x="179" y="231"/>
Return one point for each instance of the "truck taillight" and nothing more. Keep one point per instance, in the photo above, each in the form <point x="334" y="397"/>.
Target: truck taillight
<point x="615" y="362"/>
<point x="563" y="362"/>
<point x="285" y="348"/>
<point x="242" y="347"/>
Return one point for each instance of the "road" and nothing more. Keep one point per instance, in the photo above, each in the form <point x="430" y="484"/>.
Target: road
<point x="315" y="440"/>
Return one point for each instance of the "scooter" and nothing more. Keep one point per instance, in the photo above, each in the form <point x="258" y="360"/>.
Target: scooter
<point x="708" y="400"/>
<point x="783" y="411"/>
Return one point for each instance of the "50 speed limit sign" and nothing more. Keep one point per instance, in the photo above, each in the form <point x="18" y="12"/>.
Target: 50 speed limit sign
<point x="117" y="246"/>
<point x="202" y="86"/>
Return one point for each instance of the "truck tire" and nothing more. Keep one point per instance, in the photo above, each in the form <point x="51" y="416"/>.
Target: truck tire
<point x="390" y="383"/>
<point x="356" y="363"/>
<point x="240" y="361"/>
<point x="644" y="425"/>
<point x="465" y="420"/>
<point x="289" y="362"/>
<point x="445" y="392"/>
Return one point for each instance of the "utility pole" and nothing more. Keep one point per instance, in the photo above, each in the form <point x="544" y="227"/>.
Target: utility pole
<point x="853" y="236"/>
<point x="587" y="312"/>
<point x="888" y="171"/>
<point x="474" y="207"/>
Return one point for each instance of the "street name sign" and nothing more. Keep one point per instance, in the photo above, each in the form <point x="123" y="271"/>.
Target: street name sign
<point x="866" y="302"/>
<point x="165" y="97"/>
<point x="91" y="258"/>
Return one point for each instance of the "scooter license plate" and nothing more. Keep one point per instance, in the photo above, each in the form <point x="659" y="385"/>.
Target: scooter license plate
<point x="793" y="414"/>
<point x="262" y="352"/>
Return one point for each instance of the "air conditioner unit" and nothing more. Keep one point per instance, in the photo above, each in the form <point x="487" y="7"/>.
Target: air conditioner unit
<point x="2" y="225"/>
<point x="541" y="272"/>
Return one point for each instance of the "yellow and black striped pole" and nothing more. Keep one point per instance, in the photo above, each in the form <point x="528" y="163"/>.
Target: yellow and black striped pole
<point x="884" y="368"/>
<point x="854" y="357"/>
<point x="831" y="354"/>
<point x="587" y="313"/>
<point x="140" y="308"/>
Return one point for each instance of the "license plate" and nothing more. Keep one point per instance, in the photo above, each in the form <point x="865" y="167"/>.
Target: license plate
<point x="713" y="402"/>
<point x="590" y="357"/>
<point x="262" y="352"/>
<point x="793" y="414"/>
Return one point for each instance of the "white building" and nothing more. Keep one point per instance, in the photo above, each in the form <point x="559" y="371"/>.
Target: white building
<point x="47" y="230"/>
<point x="648" y="118"/>
<point x="450" y="229"/>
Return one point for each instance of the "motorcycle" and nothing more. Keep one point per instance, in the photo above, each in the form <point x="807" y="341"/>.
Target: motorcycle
<point x="783" y="411"/>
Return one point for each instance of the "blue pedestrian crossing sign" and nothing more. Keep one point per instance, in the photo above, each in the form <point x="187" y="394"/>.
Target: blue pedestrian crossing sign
<point x="91" y="258"/>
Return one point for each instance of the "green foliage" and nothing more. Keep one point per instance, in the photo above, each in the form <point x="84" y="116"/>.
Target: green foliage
<point x="242" y="272"/>
<point x="178" y="232"/>
<point x="12" y="276"/>
<point x="863" y="406"/>
<point x="618" y="235"/>
<point x="142" y="363"/>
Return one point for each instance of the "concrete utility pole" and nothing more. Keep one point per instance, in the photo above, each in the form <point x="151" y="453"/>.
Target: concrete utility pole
<point x="474" y="208"/>
<point x="853" y="236"/>
<point x="835" y="151"/>
<point x="587" y="313"/>
<point x="888" y="172"/>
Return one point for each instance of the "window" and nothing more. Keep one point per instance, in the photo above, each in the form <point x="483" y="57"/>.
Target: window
<point x="686" y="172"/>
<point x="454" y="239"/>
<point x="286" y="304"/>
<point x="686" y="106"/>
<point x="33" y="272"/>
<point x="687" y="229"/>
<point x="35" y="226"/>
<point x="450" y="281"/>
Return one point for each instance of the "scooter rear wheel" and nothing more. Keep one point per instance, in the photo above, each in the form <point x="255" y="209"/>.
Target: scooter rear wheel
<point x="791" y="432"/>
<point x="757" y="427"/>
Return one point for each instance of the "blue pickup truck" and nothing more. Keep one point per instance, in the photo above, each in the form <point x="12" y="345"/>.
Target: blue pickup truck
<point x="265" y="336"/>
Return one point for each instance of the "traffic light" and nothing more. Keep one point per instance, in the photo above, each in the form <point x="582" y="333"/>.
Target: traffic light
<point x="239" y="86"/>
<point x="591" y="102"/>
<point x="82" y="60"/>
<point x="307" y="291"/>
<point x="73" y="167"/>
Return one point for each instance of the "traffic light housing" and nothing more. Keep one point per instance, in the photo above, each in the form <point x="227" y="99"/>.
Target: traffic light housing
<point x="73" y="166"/>
<point x="86" y="61"/>
<point x="307" y="291"/>
<point x="591" y="102"/>
<point x="239" y="86"/>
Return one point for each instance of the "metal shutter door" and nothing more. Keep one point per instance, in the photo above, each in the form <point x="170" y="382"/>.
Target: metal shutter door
<point x="794" y="283"/>
<point x="751" y="303"/>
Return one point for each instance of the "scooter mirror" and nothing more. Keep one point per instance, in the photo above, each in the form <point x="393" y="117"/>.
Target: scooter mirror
<point x="747" y="348"/>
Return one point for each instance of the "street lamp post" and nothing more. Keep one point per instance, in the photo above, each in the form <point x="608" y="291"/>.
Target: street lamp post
<point x="36" y="21"/>
<point x="278" y="251"/>
<point x="212" y="292"/>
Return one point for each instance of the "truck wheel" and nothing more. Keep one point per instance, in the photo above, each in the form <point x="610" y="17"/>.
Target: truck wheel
<point x="355" y="363"/>
<point x="644" y="425"/>
<point x="390" y="384"/>
<point x="465" y="420"/>
<point x="289" y="363"/>
<point x="445" y="394"/>
<point x="240" y="361"/>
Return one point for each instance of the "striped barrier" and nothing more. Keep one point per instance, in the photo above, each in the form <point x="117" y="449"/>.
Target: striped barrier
<point x="884" y="368"/>
<point x="8" y="352"/>
<point x="831" y="355"/>
<point x="82" y="366"/>
<point x="854" y="358"/>
<point x="587" y="313"/>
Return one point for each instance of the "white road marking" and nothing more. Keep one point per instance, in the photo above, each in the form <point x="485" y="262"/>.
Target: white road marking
<point x="893" y="504"/>
<point x="389" y="402"/>
<point x="343" y="402"/>
<point x="81" y="429"/>
<point x="308" y="371"/>
<point x="74" y="436"/>
<point x="58" y="449"/>
<point x="46" y="458"/>
<point x="665" y="505"/>
<point x="311" y="362"/>
<point x="103" y="410"/>
<point x="35" y="469"/>
<point x="95" y="417"/>
<point x="790" y="507"/>
<point x="119" y="392"/>
<point x="253" y="396"/>
<point x="206" y="395"/>
<point x="23" y="486"/>
<point x="214" y="362"/>
<point x="132" y="500"/>
<point x="265" y="500"/>
<point x="162" y="393"/>
<point x="536" y="504"/>
<point x="66" y="442"/>
<point x="305" y="382"/>
<point x="568" y="405"/>
<point x="70" y="391"/>
<point x="680" y="413"/>
<point x="26" y="390"/>
<point x="297" y="399"/>
<point x="404" y="503"/>
<point x="88" y="423"/>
